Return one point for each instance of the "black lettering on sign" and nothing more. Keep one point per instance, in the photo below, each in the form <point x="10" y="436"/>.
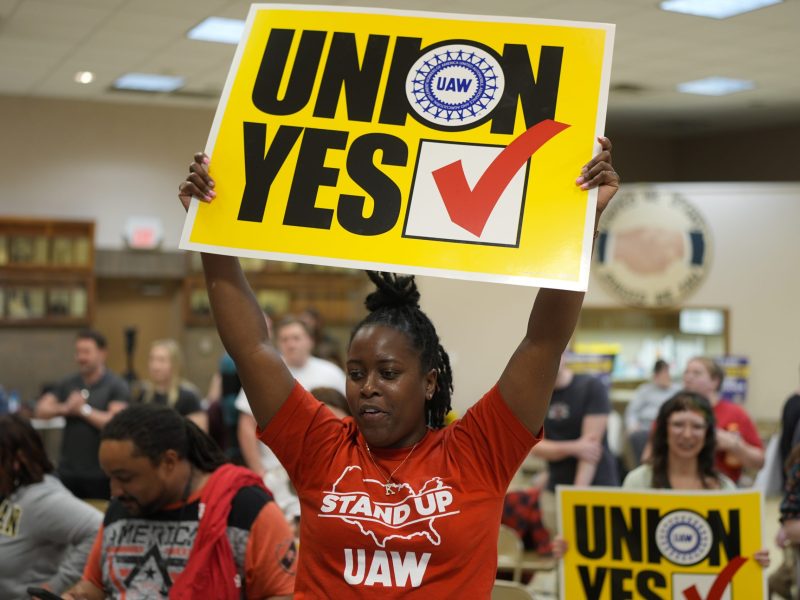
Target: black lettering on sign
<point x="597" y="530"/>
<point x="592" y="587"/>
<point x="646" y="581"/>
<point x="386" y="196"/>
<point x="310" y="173"/>
<point x="360" y="82"/>
<point x="727" y="538"/>
<point x="618" y="579"/>
<point x="273" y="66"/>
<point x="537" y="95"/>
<point x="395" y="104"/>
<point x="653" y="553"/>
<point x="628" y="532"/>
<point x="260" y="169"/>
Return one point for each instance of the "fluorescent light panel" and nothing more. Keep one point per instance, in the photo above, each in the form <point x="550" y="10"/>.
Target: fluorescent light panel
<point x="218" y="29"/>
<point x="716" y="9"/>
<point x="715" y="86"/>
<point x="147" y="82"/>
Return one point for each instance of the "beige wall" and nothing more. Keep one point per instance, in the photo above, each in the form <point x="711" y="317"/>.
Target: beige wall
<point x="110" y="161"/>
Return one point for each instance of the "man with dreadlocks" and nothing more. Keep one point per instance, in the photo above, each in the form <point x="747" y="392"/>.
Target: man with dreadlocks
<point x="182" y="523"/>
<point x="393" y="503"/>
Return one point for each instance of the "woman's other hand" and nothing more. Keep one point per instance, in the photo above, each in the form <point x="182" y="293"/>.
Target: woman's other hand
<point x="599" y="173"/>
<point x="198" y="184"/>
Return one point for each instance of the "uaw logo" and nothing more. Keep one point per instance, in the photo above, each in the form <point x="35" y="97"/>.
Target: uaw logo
<point x="455" y="84"/>
<point x="414" y="514"/>
<point x="684" y="537"/>
<point x="654" y="247"/>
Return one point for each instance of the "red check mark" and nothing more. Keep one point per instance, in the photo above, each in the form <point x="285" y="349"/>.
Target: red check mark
<point x="720" y="583"/>
<point x="471" y="208"/>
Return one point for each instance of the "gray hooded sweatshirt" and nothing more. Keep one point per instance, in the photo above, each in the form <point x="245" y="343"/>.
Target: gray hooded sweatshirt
<point x="46" y="534"/>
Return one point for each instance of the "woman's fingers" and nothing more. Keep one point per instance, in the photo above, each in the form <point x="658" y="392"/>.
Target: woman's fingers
<point x="599" y="170"/>
<point x="198" y="184"/>
<point x="599" y="174"/>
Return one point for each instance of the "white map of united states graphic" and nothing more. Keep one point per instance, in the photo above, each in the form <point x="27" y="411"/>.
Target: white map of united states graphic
<point x="407" y="515"/>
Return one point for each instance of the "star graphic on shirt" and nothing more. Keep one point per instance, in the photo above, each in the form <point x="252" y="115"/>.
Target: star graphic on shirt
<point x="153" y="556"/>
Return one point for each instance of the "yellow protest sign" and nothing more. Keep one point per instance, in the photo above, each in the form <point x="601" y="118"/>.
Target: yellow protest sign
<point x="413" y="142"/>
<point x="661" y="544"/>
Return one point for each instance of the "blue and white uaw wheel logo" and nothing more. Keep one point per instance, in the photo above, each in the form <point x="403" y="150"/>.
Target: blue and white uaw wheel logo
<point x="684" y="537"/>
<point x="455" y="84"/>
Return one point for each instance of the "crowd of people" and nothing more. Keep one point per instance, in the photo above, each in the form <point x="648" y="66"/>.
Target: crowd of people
<point x="296" y="475"/>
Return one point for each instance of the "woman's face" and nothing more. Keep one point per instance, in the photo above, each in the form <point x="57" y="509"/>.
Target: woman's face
<point x="386" y="389"/>
<point x="697" y="379"/>
<point x="159" y="365"/>
<point x="686" y="434"/>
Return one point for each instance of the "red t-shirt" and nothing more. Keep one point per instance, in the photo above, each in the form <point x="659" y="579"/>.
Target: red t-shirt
<point x="732" y="417"/>
<point x="435" y="538"/>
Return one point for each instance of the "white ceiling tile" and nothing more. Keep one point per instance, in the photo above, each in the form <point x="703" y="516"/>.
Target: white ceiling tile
<point x="7" y="7"/>
<point x="151" y="25"/>
<point x="16" y="80"/>
<point x="188" y="56"/>
<point x="14" y="49"/>
<point x="234" y="10"/>
<point x="172" y="8"/>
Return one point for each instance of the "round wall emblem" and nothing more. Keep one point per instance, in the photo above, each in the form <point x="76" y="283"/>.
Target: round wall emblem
<point x="455" y="84"/>
<point x="684" y="537"/>
<point x="654" y="248"/>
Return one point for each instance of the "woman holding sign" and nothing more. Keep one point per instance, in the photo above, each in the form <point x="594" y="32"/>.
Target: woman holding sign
<point x="683" y="446"/>
<point x="683" y="443"/>
<point x="392" y="502"/>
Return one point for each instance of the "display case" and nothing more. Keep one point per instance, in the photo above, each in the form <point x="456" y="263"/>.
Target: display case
<point x="46" y="272"/>
<point x="283" y="287"/>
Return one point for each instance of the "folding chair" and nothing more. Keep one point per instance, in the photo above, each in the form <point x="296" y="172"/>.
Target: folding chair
<point x="510" y="590"/>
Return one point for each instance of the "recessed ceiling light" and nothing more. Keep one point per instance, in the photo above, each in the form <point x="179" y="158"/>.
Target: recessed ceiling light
<point x="716" y="9"/>
<point x="218" y="29"/>
<point x="84" y="77"/>
<point x="715" y="86"/>
<point x="147" y="82"/>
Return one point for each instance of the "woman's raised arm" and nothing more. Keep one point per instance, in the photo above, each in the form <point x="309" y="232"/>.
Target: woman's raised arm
<point x="240" y="321"/>
<point x="527" y="381"/>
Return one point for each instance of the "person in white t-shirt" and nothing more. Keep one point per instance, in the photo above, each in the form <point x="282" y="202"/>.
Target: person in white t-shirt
<point x="295" y="344"/>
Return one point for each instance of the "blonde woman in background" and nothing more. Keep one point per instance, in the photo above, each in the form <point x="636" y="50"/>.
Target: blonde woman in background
<point x="165" y="385"/>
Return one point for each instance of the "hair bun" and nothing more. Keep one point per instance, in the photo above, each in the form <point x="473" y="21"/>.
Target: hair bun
<point x="393" y="291"/>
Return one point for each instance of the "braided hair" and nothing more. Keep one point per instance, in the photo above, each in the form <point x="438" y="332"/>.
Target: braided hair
<point x="395" y="304"/>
